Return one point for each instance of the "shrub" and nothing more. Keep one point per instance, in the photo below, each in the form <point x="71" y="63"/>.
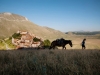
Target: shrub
<point x="47" y="43"/>
<point x="16" y="35"/>
<point x="36" y="39"/>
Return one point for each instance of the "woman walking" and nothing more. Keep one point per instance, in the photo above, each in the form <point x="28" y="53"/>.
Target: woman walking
<point x="83" y="44"/>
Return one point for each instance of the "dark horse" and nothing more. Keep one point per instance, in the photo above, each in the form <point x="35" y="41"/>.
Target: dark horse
<point x="63" y="44"/>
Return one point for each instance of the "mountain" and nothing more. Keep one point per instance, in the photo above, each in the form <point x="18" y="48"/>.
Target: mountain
<point x="11" y="23"/>
<point x="84" y="32"/>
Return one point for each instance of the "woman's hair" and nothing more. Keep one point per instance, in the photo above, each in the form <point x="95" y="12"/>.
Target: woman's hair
<point x="84" y="39"/>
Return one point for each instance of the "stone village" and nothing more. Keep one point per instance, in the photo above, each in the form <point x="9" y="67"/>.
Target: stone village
<point x="26" y="40"/>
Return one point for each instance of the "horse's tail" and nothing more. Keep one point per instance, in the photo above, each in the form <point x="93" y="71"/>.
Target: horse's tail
<point x="51" y="46"/>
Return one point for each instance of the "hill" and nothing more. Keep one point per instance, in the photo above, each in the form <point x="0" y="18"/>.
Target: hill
<point x="11" y="23"/>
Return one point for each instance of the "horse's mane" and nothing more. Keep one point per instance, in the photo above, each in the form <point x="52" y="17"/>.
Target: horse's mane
<point x="68" y="40"/>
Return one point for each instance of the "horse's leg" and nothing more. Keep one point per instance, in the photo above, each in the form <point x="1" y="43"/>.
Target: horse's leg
<point x="50" y="47"/>
<point x="64" y="47"/>
<point x="53" y="47"/>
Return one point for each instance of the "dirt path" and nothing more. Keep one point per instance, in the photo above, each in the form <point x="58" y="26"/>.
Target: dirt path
<point x="7" y="47"/>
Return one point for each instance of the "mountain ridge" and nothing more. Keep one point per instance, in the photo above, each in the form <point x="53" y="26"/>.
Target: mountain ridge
<point x="11" y="23"/>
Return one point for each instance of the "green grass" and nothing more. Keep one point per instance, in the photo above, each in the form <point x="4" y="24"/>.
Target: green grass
<point x="9" y="43"/>
<point x="2" y="45"/>
<point x="50" y="62"/>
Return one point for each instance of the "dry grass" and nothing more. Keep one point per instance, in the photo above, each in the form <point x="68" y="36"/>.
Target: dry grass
<point x="50" y="62"/>
<point x="91" y="43"/>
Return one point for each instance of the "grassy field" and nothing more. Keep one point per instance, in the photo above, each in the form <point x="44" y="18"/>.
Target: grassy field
<point x="92" y="41"/>
<point x="50" y="62"/>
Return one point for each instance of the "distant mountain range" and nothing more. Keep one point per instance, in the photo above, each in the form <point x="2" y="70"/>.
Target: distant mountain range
<point x="84" y="32"/>
<point x="11" y="23"/>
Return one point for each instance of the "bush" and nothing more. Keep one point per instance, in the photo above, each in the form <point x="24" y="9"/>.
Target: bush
<point x="47" y="43"/>
<point x="36" y="39"/>
<point x="16" y="35"/>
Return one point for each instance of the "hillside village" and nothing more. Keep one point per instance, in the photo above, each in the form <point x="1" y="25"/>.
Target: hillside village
<point x="26" y="40"/>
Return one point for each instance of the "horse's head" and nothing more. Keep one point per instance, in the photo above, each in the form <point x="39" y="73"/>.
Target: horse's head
<point x="70" y="43"/>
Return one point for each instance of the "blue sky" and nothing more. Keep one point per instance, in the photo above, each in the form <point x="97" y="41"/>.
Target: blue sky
<point x="63" y="15"/>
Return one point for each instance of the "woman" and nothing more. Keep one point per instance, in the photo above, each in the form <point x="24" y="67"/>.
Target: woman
<point x="83" y="44"/>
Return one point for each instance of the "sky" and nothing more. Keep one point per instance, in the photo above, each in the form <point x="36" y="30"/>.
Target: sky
<point x="62" y="15"/>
